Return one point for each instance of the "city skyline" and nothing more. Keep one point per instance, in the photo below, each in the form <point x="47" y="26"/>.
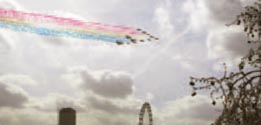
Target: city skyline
<point x="68" y="115"/>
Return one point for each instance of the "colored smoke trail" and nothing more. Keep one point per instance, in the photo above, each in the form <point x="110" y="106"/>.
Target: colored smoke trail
<point x="57" y="33"/>
<point x="48" y="25"/>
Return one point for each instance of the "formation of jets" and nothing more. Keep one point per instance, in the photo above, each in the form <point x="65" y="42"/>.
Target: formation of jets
<point x="135" y="40"/>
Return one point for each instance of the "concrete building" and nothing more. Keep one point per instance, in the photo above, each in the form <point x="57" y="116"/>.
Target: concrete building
<point x="67" y="116"/>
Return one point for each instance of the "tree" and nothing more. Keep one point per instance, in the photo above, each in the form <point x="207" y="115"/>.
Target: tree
<point x="239" y="91"/>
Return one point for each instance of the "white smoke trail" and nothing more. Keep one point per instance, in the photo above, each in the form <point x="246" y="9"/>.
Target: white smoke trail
<point x="161" y="51"/>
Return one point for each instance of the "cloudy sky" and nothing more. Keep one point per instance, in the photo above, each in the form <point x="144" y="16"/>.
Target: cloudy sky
<point x="106" y="83"/>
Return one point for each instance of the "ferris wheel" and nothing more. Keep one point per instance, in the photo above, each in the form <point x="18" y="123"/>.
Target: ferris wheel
<point x="145" y="107"/>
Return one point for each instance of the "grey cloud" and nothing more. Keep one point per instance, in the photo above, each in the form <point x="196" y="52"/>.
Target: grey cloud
<point x="223" y="11"/>
<point x="228" y="42"/>
<point x="12" y="96"/>
<point x="108" y="84"/>
<point x="109" y="107"/>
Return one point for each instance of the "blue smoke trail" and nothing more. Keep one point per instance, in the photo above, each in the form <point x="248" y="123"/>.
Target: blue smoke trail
<point x="58" y="33"/>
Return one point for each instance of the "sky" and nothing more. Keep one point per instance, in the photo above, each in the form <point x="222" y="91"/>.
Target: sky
<point x="107" y="84"/>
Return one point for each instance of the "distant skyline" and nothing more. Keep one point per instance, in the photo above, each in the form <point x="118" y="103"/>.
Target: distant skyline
<point x="107" y="83"/>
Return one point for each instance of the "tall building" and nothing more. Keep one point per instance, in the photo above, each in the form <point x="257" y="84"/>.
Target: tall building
<point x="67" y="116"/>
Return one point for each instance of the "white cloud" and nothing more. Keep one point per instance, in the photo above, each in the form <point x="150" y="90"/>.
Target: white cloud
<point x="55" y="101"/>
<point x="162" y="17"/>
<point x="188" y="111"/>
<point x="7" y="4"/>
<point x="149" y="97"/>
<point x="5" y="44"/>
<point x="9" y="116"/>
<point x="18" y="79"/>
<point x="197" y="13"/>
<point x="91" y="109"/>
<point x="100" y="111"/>
<point x="205" y="14"/>
<point x="224" y="44"/>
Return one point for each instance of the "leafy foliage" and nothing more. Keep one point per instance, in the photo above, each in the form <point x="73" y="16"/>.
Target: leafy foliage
<point x="240" y="91"/>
